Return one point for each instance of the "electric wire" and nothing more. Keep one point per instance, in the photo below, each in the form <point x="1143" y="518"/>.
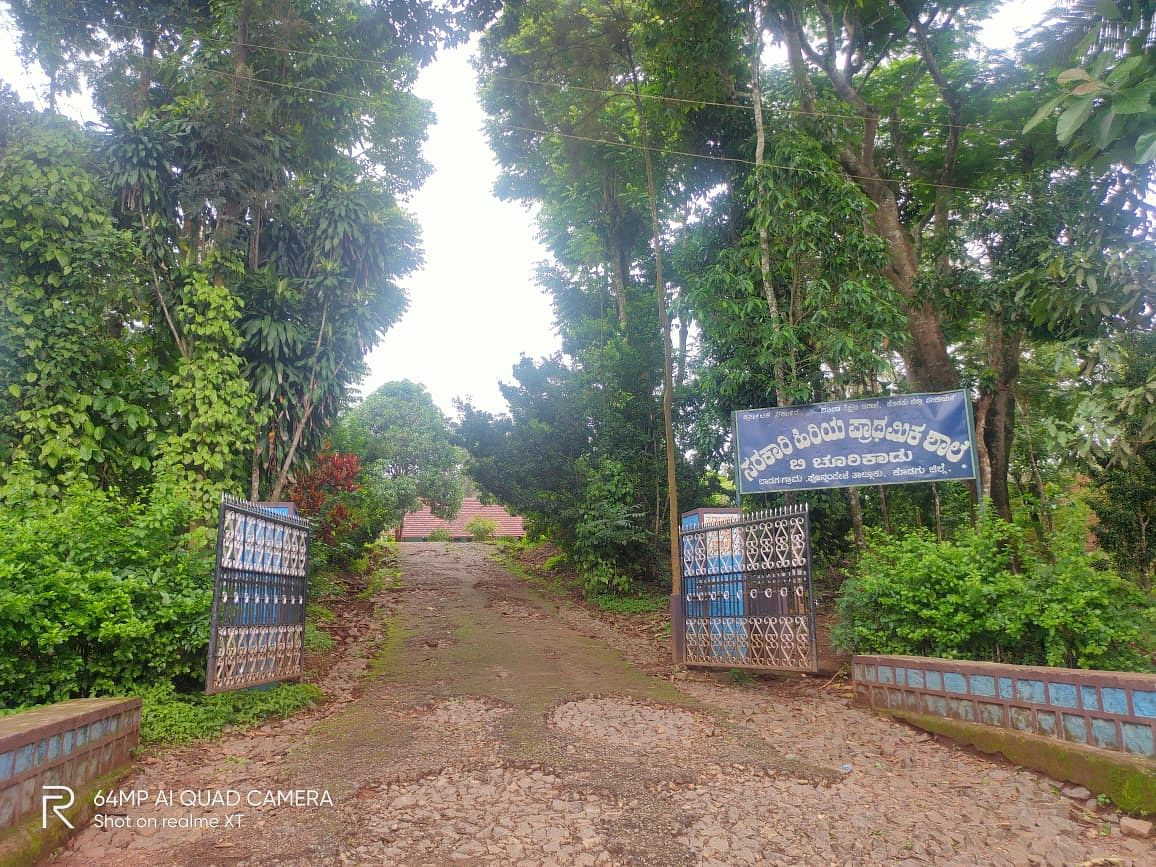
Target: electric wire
<point x="563" y="86"/>
<point x="629" y="145"/>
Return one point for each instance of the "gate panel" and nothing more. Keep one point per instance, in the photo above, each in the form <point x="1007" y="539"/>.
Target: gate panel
<point x="259" y="595"/>
<point x="747" y="594"/>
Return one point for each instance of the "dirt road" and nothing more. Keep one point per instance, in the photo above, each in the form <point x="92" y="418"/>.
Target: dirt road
<point x="491" y="726"/>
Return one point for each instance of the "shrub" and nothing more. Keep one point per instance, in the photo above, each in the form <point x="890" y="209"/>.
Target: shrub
<point x="439" y="534"/>
<point x="98" y="596"/>
<point x="988" y="596"/>
<point x="609" y="541"/>
<point x="481" y="529"/>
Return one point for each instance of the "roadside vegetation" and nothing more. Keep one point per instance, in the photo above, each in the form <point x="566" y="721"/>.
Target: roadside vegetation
<point x="540" y="563"/>
<point x="890" y="206"/>
<point x="188" y="302"/>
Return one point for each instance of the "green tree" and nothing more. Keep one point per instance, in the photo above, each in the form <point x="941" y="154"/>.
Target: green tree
<point x="406" y="450"/>
<point x="574" y="91"/>
<point x="894" y="90"/>
<point x="1104" y="52"/>
<point x="82" y="391"/>
<point x="265" y="145"/>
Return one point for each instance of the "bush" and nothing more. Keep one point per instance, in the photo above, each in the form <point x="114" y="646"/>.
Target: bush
<point x="481" y="529"/>
<point x="98" y="596"/>
<point x="609" y="541"/>
<point x="989" y="596"/>
<point x="439" y="534"/>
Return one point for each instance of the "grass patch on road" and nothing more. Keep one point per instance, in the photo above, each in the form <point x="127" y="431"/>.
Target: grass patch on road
<point x="168" y="717"/>
<point x="642" y="603"/>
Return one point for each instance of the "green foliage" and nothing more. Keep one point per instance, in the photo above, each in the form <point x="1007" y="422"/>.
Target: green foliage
<point x="211" y="400"/>
<point x="201" y="282"/>
<point x="381" y="568"/>
<point x="481" y="529"/>
<point x="168" y="717"/>
<point x="407" y="452"/>
<point x="741" y="677"/>
<point x="608" y="538"/>
<point x="630" y="605"/>
<point x="98" y="596"/>
<point x="556" y="561"/>
<point x="319" y="613"/>
<point x="439" y="534"/>
<point x="317" y="640"/>
<point x="1125" y="503"/>
<point x="78" y="383"/>
<point x="987" y="595"/>
<point x="835" y="308"/>
<point x="1104" y="108"/>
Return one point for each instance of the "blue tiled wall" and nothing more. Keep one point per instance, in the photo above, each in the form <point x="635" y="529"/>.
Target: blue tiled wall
<point x="45" y="745"/>
<point x="1102" y="709"/>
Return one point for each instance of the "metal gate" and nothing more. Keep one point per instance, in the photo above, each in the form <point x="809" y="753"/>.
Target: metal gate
<point x="258" y="623"/>
<point x="747" y="594"/>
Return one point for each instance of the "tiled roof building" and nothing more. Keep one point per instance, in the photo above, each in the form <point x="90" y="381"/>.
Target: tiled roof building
<point x="418" y="525"/>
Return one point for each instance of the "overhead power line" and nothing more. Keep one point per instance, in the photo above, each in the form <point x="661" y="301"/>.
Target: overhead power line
<point x="613" y="92"/>
<point x="611" y="142"/>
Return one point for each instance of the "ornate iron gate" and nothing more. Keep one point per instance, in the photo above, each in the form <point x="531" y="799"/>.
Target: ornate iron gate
<point x="258" y="624"/>
<point x="747" y="594"/>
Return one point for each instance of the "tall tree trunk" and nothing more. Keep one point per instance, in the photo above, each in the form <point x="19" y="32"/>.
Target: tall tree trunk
<point x="856" y="517"/>
<point x="241" y="47"/>
<point x="148" y="46"/>
<point x="982" y="406"/>
<point x="930" y="367"/>
<point x="1042" y="514"/>
<point x="998" y="423"/>
<point x="255" y="472"/>
<point x="308" y="405"/>
<point x="294" y="445"/>
<point x="781" y="396"/>
<point x="664" y="326"/>
<point x="682" y="334"/>
<point x="618" y="264"/>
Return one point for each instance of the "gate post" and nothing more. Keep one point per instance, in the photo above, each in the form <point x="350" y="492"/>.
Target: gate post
<point x="677" y="629"/>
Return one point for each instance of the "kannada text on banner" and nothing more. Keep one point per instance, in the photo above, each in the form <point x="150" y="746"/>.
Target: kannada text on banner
<point x="879" y="441"/>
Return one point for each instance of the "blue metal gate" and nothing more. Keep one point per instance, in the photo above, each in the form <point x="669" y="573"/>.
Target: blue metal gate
<point x="258" y="621"/>
<point x="747" y="594"/>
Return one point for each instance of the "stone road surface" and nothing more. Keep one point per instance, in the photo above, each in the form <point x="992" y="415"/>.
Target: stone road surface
<point x="478" y="723"/>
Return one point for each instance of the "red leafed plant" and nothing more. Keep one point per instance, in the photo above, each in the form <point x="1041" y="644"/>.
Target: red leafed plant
<point x="318" y="493"/>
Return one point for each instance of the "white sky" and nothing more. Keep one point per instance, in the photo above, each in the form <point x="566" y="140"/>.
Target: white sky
<point x="474" y="307"/>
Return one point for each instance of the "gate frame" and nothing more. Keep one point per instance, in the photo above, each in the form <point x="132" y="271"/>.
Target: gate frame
<point x="678" y="604"/>
<point x="289" y="521"/>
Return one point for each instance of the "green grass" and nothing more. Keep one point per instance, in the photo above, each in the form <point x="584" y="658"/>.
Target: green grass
<point x="317" y="640"/>
<point x="384" y="578"/>
<point x="638" y="604"/>
<point x="552" y="584"/>
<point x="168" y="717"/>
<point x="319" y="613"/>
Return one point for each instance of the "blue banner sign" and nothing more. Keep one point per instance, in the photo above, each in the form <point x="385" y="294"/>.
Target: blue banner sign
<point x="879" y="441"/>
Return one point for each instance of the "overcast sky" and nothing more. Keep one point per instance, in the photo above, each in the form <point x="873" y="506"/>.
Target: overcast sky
<point x="474" y="307"/>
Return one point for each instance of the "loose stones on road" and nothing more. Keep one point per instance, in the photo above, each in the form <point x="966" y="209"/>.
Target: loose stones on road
<point x="634" y="724"/>
<point x="494" y="815"/>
